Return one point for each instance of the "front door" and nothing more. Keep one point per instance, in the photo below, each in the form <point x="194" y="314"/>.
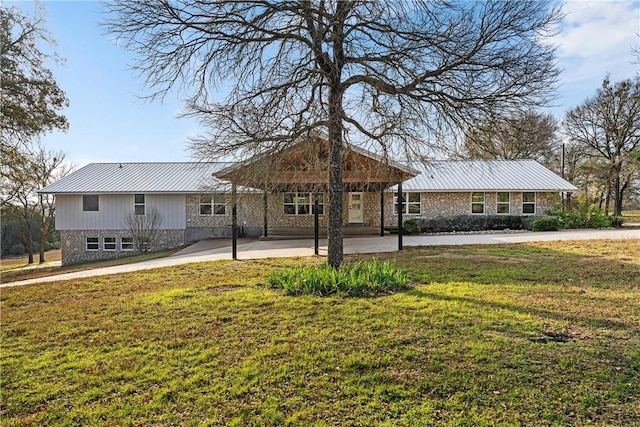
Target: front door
<point x="356" y="208"/>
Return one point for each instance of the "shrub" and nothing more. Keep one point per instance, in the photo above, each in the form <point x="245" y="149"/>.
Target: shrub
<point x="361" y="278"/>
<point x="584" y="215"/>
<point x="411" y="226"/>
<point x="616" y="221"/>
<point x="445" y="224"/>
<point x="545" y="223"/>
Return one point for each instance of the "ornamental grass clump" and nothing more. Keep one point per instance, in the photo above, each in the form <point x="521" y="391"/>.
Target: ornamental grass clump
<point x="359" y="278"/>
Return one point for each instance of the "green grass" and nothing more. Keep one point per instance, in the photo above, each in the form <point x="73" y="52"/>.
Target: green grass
<point x="11" y="274"/>
<point x="539" y="334"/>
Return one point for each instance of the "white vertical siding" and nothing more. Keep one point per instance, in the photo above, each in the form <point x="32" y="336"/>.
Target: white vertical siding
<point x="114" y="207"/>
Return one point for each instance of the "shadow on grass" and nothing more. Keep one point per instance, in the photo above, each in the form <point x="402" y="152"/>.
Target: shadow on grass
<point x="584" y="320"/>
<point x="527" y="265"/>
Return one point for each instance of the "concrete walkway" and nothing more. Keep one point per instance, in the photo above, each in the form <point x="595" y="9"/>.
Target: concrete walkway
<point x="214" y="250"/>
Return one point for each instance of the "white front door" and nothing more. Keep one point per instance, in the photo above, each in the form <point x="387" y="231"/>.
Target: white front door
<point x="356" y="208"/>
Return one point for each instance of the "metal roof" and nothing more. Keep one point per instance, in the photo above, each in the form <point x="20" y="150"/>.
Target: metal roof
<point x="187" y="177"/>
<point x="197" y="177"/>
<point x="484" y="175"/>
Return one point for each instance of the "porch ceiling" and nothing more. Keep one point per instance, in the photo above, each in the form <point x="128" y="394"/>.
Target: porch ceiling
<point x="304" y="167"/>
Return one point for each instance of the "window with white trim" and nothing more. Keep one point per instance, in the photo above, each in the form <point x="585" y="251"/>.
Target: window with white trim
<point x="412" y="203"/>
<point x="477" y="203"/>
<point x="138" y="204"/>
<point x="529" y="202"/>
<point x="109" y="243"/>
<point x="90" y="203"/>
<point x="213" y="204"/>
<point x="302" y="203"/>
<point x="92" y="243"/>
<point x="503" y="203"/>
<point x="126" y="243"/>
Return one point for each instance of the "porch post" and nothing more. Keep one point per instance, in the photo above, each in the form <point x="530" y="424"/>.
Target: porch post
<point x="316" y="225"/>
<point x="265" y="208"/>
<point x="382" y="211"/>
<point x="400" y="209"/>
<point x="234" y="223"/>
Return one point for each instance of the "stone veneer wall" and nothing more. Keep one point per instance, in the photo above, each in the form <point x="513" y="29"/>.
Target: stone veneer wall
<point x="73" y="244"/>
<point x="450" y="204"/>
<point x="250" y="211"/>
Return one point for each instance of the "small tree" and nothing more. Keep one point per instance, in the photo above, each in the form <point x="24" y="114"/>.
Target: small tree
<point x="144" y="228"/>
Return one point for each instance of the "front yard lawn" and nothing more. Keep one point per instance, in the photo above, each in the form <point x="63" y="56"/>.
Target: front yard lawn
<point x="530" y="334"/>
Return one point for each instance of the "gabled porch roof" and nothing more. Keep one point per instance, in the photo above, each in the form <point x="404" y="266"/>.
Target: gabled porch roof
<point x="304" y="167"/>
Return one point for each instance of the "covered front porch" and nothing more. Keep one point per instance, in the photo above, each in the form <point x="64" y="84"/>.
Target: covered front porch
<point x="294" y="187"/>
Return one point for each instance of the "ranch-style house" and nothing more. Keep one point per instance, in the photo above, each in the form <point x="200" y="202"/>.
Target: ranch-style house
<point x="274" y="196"/>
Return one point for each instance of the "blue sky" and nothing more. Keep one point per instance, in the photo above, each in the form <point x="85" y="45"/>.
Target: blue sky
<point x="110" y="123"/>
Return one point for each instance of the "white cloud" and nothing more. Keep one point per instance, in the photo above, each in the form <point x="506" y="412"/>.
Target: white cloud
<point x="596" y="39"/>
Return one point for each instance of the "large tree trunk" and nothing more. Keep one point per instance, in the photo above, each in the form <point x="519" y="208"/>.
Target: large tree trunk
<point x="334" y="227"/>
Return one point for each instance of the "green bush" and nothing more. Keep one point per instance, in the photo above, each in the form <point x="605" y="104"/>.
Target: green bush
<point x="411" y="226"/>
<point x="361" y="278"/>
<point x="445" y="224"/>
<point x="616" y="221"/>
<point x="584" y="215"/>
<point x="545" y="223"/>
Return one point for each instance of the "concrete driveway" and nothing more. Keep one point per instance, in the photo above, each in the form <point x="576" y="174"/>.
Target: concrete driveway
<point x="213" y="250"/>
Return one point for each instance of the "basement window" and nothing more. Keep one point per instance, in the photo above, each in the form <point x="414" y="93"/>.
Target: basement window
<point x="126" y="244"/>
<point x="109" y="243"/>
<point x="92" y="243"/>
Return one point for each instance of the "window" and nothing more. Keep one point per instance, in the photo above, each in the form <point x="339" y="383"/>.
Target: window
<point x="503" y="203"/>
<point x="93" y="243"/>
<point x="212" y="204"/>
<point x="529" y="203"/>
<point x="412" y="203"/>
<point x="109" y="243"/>
<point x="302" y="203"/>
<point x="90" y="203"/>
<point x="126" y="244"/>
<point x="138" y="204"/>
<point x="477" y="203"/>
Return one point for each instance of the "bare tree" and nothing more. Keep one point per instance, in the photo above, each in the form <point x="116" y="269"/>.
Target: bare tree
<point x="530" y="135"/>
<point x="144" y="228"/>
<point x="607" y="126"/>
<point x="33" y="167"/>
<point x="401" y="75"/>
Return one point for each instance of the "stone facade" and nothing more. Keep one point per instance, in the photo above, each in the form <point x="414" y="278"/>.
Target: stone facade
<point x="459" y="203"/>
<point x="73" y="244"/>
<point x="250" y="209"/>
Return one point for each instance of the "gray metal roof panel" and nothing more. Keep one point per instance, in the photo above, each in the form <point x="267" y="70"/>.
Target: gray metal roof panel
<point x="485" y="175"/>
<point x="187" y="177"/>
<point x="196" y="177"/>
